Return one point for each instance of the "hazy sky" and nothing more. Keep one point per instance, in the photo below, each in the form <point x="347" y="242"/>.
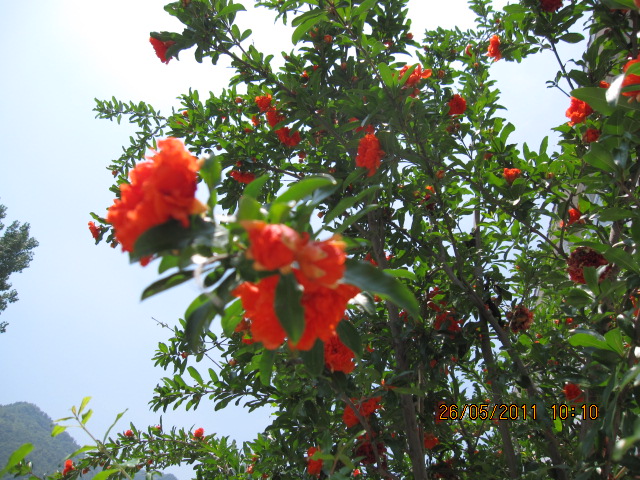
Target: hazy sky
<point x="79" y="328"/>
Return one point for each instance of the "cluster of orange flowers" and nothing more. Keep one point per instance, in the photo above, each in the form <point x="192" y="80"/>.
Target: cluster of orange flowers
<point x="320" y="266"/>
<point x="337" y="356"/>
<point x="457" y="105"/>
<point x="631" y="79"/>
<point x="159" y="190"/>
<point x="273" y="118"/>
<point x="510" y="174"/>
<point x="578" y="111"/>
<point x="494" y="48"/>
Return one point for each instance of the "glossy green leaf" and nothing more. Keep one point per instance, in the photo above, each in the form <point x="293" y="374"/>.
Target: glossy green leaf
<point x="254" y="189"/>
<point x="166" y="283"/>
<point x="350" y="337"/>
<point x="288" y="307"/>
<point x="588" y="338"/>
<point x="171" y="235"/>
<point x="199" y="315"/>
<point x="348" y="202"/>
<point x="105" y="474"/>
<point x="310" y="19"/>
<point x="622" y="259"/>
<point x="401" y="273"/>
<point x="232" y="8"/>
<point x="367" y="277"/>
<point x="16" y="457"/>
<point x="314" y="359"/>
<point x="600" y="157"/>
<point x="195" y="374"/>
<point x="232" y="317"/>
<point x="265" y="366"/>
<point x="57" y="430"/>
<point x="299" y="190"/>
<point x="249" y="209"/>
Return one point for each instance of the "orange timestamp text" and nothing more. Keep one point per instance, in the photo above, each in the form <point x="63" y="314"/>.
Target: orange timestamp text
<point x="485" y="411"/>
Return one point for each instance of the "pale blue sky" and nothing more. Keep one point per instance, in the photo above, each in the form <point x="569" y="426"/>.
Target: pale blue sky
<point x="79" y="328"/>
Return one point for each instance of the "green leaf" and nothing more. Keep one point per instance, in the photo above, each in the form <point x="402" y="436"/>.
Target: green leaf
<point x="310" y="19"/>
<point x="572" y="38"/>
<point x="600" y="157"/>
<point x="105" y="474"/>
<point x="86" y="416"/>
<point x="588" y="338"/>
<point x="232" y="317"/>
<point x="305" y="187"/>
<point x="288" y="307"/>
<point x="314" y="358"/>
<point x="354" y="218"/>
<point x="85" y="401"/>
<point x="249" y="209"/>
<point x="265" y="366"/>
<point x="386" y="74"/>
<point x="613" y="214"/>
<point x="195" y="375"/>
<point x="614" y="339"/>
<point x="199" y="315"/>
<point x="595" y="97"/>
<point x="171" y="235"/>
<point x="232" y="8"/>
<point x="621" y="258"/>
<point x="362" y="9"/>
<point x="255" y="188"/>
<point x="367" y="277"/>
<point x="57" y="430"/>
<point x="166" y="283"/>
<point x="16" y="457"/>
<point x="348" y="202"/>
<point x="118" y="417"/>
<point x="350" y="337"/>
<point x="401" y="273"/>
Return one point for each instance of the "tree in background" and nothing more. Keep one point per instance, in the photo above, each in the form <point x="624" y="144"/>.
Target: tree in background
<point x="15" y="256"/>
<point x="378" y="253"/>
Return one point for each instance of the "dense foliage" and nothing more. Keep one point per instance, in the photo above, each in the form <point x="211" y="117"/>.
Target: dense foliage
<point x="486" y="343"/>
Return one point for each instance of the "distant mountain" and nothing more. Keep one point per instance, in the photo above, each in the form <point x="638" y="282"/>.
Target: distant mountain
<point x="24" y="422"/>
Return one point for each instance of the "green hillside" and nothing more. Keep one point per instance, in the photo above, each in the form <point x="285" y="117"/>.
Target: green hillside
<point x="24" y="422"/>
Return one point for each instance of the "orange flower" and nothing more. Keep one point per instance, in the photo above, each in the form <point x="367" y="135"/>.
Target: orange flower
<point x="430" y="441"/>
<point x="631" y="79"/>
<point x="494" y="48"/>
<point x="160" y="190"/>
<point x="68" y="467"/>
<point x="263" y="102"/>
<point x="287" y="138"/>
<point x="578" y="111"/>
<point x="323" y="262"/>
<point x="365" y="408"/>
<point x="272" y="246"/>
<point x="161" y="48"/>
<point x="95" y="231"/>
<point x="199" y="433"/>
<point x="323" y="309"/>
<point x="369" y="153"/>
<point x="242" y="177"/>
<point x="258" y="301"/>
<point x="457" y="105"/>
<point x="314" y="467"/>
<point x="510" y="174"/>
<point x="274" y="117"/>
<point x="415" y="77"/>
<point x="337" y="356"/>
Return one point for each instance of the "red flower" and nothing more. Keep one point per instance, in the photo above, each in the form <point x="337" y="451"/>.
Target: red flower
<point x="365" y="449"/>
<point x="494" y="48"/>
<point x="161" y="48"/>
<point x="550" y="5"/>
<point x="457" y="105"/>
<point x="314" y="467"/>
<point x="160" y="190"/>
<point x="95" y="231"/>
<point x="263" y="102"/>
<point x="574" y="215"/>
<point x="323" y="262"/>
<point x="365" y="408"/>
<point x="415" y="77"/>
<point x="591" y="135"/>
<point x="242" y="177"/>
<point x="573" y="393"/>
<point x="510" y="174"/>
<point x="578" y="111"/>
<point x="199" y="433"/>
<point x="272" y="246"/>
<point x="631" y="79"/>
<point x="274" y="117"/>
<point x="258" y="302"/>
<point x="287" y="138"/>
<point x="430" y="441"/>
<point x="604" y="84"/>
<point x="337" y="356"/>
<point x="520" y="319"/>
<point x="68" y="467"/>
<point x="584" y="257"/>
<point x="369" y="153"/>
<point x="328" y="38"/>
<point x="128" y="433"/>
